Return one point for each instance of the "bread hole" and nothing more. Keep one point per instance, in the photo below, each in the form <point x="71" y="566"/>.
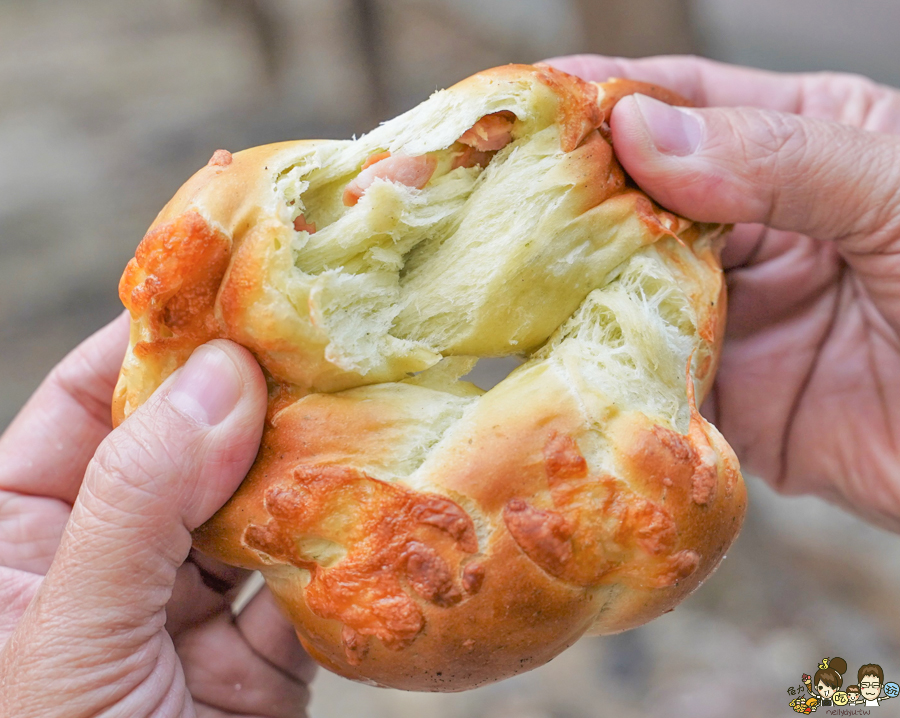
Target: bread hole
<point x="671" y="304"/>
<point x="389" y="221"/>
<point x="324" y="552"/>
<point x="489" y="372"/>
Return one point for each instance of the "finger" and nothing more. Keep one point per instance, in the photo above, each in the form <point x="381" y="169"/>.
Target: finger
<point x="848" y="99"/>
<point x="254" y="668"/>
<point x="791" y="173"/>
<point x="272" y="637"/>
<point x="17" y="588"/>
<point x="100" y="610"/>
<point x="203" y="588"/>
<point x="748" y="165"/>
<point x="30" y="529"/>
<point x="46" y="449"/>
<point x="780" y="277"/>
<point x="745" y="246"/>
<point x="704" y="82"/>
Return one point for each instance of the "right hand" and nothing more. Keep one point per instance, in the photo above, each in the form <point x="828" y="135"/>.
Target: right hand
<point x="808" y="390"/>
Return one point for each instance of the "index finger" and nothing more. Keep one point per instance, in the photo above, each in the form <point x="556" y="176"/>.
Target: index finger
<point x="704" y="82"/>
<point x="46" y="449"/>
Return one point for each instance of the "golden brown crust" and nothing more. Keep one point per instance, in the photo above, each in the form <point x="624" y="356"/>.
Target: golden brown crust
<point x="397" y="538"/>
<point x="421" y="534"/>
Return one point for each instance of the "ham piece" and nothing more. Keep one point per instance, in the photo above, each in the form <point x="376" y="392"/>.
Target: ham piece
<point x="400" y="169"/>
<point x="491" y="132"/>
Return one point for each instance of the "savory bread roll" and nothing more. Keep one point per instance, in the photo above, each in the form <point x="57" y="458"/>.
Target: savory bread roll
<point x="419" y="532"/>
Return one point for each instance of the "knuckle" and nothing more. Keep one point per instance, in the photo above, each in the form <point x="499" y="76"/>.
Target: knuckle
<point x="760" y="140"/>
<point x="878" y="229"/>
<point x="847" y="98"/>
<point x="834" y="180"/>
<point x="837" y="84"/>
<point x="79" y="379"/>
<point x="140" y="450"/>
<point x="778" y="139"/>
<point x="773" y="148"/>
<point x="127" y="477"/>
<point x="121" y="456"/>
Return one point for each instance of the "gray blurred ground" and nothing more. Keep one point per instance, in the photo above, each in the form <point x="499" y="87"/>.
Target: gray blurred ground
<point x="106" y="107"/>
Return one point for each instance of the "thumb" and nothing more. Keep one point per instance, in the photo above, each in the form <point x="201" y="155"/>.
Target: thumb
<point x="824" y="179"/>
<point x="159" y="475"/>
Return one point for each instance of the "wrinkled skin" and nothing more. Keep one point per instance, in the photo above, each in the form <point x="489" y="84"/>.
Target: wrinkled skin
<point x="808" y="390"/>
<point x="103" y="609"/>
<point x="100" y="613"/>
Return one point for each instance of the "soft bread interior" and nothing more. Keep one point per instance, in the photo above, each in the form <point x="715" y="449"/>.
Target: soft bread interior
<point x="489" y="260"/>
<point x="538" y="248"/>
<point x="633" y="339"/>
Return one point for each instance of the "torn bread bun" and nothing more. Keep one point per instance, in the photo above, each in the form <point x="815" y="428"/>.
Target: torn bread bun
<point x="419" y="532"/>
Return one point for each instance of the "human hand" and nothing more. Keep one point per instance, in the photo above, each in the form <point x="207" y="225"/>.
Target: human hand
<point x="808" y="389"/>
<point x="100" y="613"/>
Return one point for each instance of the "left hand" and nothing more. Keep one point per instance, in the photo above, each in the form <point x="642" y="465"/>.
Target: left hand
<point x="807" y="166"/>
<point x="104" y="608"/>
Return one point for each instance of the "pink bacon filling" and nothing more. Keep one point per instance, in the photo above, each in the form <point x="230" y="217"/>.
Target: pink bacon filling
<point x="301" y="225"/>
<point x="490" y="134"/>
<point x="401" y="169"/>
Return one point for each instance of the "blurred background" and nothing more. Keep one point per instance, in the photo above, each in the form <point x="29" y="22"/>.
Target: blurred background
<point x="107" y="107"/>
